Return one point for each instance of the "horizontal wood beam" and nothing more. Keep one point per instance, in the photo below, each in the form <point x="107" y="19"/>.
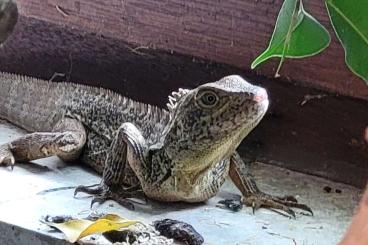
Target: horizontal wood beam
<point x="232" y="32"/>
<point x="323" y="137"/>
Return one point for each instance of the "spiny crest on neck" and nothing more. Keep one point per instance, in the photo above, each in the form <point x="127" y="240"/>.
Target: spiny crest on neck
<point x="174" y="99"/>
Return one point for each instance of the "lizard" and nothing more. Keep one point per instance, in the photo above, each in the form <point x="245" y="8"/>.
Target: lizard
<point x="181" y="153"/>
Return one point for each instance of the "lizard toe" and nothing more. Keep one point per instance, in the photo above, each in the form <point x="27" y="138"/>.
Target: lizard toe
<point x="105" y="197"/>
<point x="6" y="156"/>
<point x="284" y="204"/>
<point x="288" y="198"/>
<point x="99" y="200"/>
<point x="102" y="193"/>
<point x="120" y="198"/>
<point x="95" y="189"/>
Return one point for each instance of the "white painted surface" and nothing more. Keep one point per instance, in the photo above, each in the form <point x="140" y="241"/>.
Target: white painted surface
<point x="21" y="204"/>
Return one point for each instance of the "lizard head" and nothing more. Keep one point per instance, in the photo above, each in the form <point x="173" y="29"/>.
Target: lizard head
<point x="208" y="123"/>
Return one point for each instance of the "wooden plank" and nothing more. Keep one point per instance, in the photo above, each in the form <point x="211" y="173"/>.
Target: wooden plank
<point x="324" y="137"/>
<point x="232" y="32"/>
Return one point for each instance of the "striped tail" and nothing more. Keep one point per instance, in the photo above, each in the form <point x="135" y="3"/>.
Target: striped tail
<point x="29" y="103"/>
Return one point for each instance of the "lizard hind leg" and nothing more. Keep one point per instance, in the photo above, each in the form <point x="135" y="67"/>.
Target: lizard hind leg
<point x="119" y="181"/>
<point x="66" y="141"/>
<point x="71" y="144"/>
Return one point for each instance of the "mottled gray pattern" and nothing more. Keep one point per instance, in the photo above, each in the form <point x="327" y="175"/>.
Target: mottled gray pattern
<point x="182" y="154"/>
<point x="37" y="106"/>
<point x="200" y="138"/>
<point x="179" y="154"/>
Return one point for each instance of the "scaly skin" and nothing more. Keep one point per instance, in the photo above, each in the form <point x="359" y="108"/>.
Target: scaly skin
<point x="180" y="154"/>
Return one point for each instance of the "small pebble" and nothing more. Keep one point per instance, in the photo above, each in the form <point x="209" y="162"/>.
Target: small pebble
<point x="233" y="205"/>
<point x="179" y="231"/>
<point x="57" y="219"/>
<point x="327" y="189"/>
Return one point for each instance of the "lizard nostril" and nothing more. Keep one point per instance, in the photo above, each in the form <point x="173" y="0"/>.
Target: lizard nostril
<point x="261" y="95"/>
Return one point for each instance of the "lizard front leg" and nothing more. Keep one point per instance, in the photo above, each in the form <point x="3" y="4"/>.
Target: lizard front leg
<point x="122" y="167"/>
<point x="253" y="197"/>
<point x="66" y="141"/>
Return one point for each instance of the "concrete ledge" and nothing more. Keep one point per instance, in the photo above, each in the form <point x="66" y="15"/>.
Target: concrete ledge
<point x="24" y="199"/>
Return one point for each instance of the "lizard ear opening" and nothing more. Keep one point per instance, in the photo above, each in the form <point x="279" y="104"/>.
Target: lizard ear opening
<point x="174" y="99"/>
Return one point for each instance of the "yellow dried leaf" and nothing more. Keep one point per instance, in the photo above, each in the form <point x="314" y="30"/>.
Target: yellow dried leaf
<point x="103" y="225"/>
<point x="113" y="217"/>
<point x="79" y="228"/>
<point x="72" y="229"/>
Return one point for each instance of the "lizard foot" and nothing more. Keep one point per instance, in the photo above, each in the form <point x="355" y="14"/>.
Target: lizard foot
<point x="102" y="193"/>
<point x="6" y="156"/>
<point x="259" y="199"/>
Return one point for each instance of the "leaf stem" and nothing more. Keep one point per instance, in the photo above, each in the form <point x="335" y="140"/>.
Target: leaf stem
<point x="288" y="36"/>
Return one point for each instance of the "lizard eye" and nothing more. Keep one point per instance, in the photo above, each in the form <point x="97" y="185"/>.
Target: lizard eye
<point x="208" y="99"/>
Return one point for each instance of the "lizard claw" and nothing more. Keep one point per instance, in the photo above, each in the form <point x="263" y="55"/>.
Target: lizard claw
<point x="288" y="198"/>
<point x="101" y="193"/>
<point x="255" y="206"/>
<point x="90" y="189"/>
<point x="6" y="156"/>
<point x="99" y="200"/>
<point x="284" y="204"/>
<point x="105" y="197"/>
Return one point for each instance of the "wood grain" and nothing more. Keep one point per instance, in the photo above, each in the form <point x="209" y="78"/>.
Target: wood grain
<point x="232" y="32"/>
<point x="323" y="137"/>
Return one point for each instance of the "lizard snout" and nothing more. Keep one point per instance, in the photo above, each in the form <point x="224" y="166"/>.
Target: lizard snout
<point x="260" y="95"/>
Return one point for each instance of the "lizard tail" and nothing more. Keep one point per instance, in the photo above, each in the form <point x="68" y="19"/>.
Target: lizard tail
<point x="29" y="103"/>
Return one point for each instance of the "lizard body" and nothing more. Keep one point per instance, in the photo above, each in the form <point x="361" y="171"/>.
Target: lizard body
<point x="182" y="153"/>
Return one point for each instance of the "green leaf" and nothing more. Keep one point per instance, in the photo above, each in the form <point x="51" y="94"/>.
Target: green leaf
<point x="76" y="229"/>
<point x="350" y="21"/>
<point x="297" y="34"/>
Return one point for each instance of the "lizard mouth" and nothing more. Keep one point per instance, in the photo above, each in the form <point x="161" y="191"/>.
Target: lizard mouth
<point x="260" y="96"/>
